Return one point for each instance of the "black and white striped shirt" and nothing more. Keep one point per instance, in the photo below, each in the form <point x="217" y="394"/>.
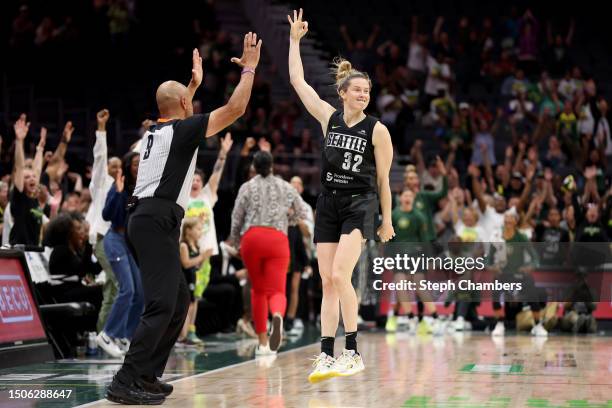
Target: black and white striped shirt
<point x="168" y="158"/>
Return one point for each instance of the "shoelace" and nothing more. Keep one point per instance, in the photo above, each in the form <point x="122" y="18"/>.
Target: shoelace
<point x="327" y="361"/>
<point x="345" y="361"/>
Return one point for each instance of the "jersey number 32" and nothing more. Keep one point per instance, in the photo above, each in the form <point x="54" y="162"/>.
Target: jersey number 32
<point x="349" y="160"/>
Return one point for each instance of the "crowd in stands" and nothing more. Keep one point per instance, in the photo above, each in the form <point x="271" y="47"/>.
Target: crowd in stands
<point x="534" y="160"/>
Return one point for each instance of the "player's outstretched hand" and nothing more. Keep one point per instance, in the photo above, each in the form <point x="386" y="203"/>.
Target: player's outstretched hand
<point x="385" y="232"/>
<point x="299" y="28"/>
<point x="250" y="52"/>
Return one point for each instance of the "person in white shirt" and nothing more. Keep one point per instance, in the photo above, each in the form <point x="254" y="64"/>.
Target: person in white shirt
<point x="417" y="55"/>
<point x="203" y="197"/>
<point x="438" y="76"/>
<point x="491" y="217"/>
<point x="567" y="87"/>
<point x="602" y="136"/>
<point x="103" y="175"/>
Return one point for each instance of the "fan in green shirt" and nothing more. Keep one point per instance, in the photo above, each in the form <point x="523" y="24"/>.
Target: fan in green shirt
<point x="427" y="201"/>
<point x="409" y="223"/>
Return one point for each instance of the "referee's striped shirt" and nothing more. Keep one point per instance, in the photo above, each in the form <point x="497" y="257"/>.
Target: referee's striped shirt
<point x="168" y="158"/>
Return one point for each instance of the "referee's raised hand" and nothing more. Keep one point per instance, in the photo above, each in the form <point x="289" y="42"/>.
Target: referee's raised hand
<point x="196" y="71"/>
<point x="250" y="52"/>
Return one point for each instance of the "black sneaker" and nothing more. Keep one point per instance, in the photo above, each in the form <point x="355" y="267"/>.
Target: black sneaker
<point x="276" y="334"/>
<point x="133" y="394"/>
<point x="156" y="387"/>
<point x="288" y="323"/>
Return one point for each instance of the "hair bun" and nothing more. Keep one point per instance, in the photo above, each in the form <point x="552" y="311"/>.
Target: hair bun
<point x="343" y="69"/>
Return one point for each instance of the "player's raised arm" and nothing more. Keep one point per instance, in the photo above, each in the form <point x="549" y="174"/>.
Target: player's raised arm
<point x="317" y="107"/>
<point x="236" y="106"/>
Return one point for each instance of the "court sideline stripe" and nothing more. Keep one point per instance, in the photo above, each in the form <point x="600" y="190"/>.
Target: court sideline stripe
<point x="89" y="404"/>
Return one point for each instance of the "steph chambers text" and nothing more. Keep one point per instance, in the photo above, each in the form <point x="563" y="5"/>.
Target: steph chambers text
<point x="442" y="286"/>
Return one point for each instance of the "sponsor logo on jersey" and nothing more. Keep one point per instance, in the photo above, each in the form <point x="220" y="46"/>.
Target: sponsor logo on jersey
<point x="348" y="142"/>
<point x="329" y="176"/>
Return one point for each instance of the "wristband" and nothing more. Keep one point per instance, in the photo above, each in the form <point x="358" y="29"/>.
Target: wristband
<point x="245" y="70"/>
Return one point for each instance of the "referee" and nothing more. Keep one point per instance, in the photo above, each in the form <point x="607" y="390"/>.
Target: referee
<point x="167" y="163"/>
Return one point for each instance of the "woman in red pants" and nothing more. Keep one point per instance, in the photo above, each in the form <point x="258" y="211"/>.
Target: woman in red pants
<point x="264" y="208"/>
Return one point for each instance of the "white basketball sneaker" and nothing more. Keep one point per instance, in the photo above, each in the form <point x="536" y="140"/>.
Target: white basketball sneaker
<point x="108" y="345"/>
<point x="264" y="350"/>
<point x="413" y="324"/>
<point x="539" y="331"/>
<point x="322" y="368"/>
<point x="349" y="363"/>
<point x="459" y="324"/>
<point x="438" y="327"/>
<point x="499" y="330"/>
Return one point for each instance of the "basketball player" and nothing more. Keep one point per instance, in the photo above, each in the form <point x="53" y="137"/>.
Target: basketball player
<point x="167" y="164"/>
<point x="356" y="160"/>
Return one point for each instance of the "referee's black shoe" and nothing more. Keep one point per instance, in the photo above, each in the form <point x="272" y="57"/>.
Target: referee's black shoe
<point x="132" y="394"/>
<point x="156" y="386"/>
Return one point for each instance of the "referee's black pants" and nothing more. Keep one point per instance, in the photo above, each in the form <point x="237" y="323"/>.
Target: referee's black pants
<point x="154" y="229"/>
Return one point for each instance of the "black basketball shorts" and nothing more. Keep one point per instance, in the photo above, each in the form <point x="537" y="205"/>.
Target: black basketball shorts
<point x="339" y="214"/>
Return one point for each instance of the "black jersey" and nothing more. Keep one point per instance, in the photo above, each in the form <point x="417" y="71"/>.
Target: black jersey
<point x="348" y="162"/>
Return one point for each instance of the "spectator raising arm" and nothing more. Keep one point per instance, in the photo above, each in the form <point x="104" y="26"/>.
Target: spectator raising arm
<point x="477" y="187"/>
<point x="40" y="152"/>
<point x="101" y="181"/>
<point x="99" y="170"/>
<point x="487" y="165"/>
<point x="526" y="194"/>
<point x="434" y="196"/>
<point x="438" y="29"/>
<point x="60" y="151"/>
<point x="416" y="154"/>
<point x="21" y="128"/>
<point x="346" y="37"/>
<point x="215" y="177"/>
<point x="591" y="195"/>
<point x="373" y="36"/>
<point x="236" y="105"/>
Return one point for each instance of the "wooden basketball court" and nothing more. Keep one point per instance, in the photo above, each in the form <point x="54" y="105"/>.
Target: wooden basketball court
<point x="461" y="370"/>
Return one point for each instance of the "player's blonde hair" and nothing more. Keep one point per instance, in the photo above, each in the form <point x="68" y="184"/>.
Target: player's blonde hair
<point x="344" y="72"/>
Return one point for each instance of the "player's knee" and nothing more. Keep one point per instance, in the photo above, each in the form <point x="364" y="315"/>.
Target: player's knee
<point x="327" y="284"/>
<point x="340" y="279"/>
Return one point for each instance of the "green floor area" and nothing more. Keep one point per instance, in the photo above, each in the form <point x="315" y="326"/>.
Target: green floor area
<point x="84" y="380"/>
<point x="496" y="402"/>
